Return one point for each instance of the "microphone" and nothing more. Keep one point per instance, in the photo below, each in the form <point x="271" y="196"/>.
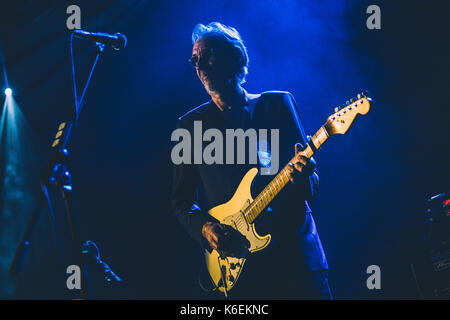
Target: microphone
<point x="117" y="40"/>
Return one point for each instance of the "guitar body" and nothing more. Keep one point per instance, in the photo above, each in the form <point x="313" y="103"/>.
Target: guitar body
<point x="225" y="272"/>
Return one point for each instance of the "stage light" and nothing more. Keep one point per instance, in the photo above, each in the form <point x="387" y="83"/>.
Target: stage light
<point x="8" y="92"/>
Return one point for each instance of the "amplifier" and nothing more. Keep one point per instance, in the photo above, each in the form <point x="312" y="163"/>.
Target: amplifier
<point x="431" y="269"/>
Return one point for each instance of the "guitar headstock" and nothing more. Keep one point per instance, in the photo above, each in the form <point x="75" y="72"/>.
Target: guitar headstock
<point x="345" y="115"/>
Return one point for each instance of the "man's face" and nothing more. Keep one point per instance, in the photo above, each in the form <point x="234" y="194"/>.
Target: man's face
<point x="209" y="71"/>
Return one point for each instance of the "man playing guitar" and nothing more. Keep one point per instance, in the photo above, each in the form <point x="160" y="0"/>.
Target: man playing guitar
<point x="294" y="264"/>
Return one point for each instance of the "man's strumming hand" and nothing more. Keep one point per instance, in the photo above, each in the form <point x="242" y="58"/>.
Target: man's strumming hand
<point x="225" y="239"/>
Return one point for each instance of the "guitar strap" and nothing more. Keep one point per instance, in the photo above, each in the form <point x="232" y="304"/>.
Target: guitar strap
<point x="251" y="105"/>
<point x="311" y="144"/>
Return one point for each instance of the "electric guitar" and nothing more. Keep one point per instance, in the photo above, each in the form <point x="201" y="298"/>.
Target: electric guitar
<point x="241" y="210"/>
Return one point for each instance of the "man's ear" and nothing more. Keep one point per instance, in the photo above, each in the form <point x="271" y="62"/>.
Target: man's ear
<point x="239" y="59"/>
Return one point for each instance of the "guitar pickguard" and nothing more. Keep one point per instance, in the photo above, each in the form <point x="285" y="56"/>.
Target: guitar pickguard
<point x="238" y="222"/>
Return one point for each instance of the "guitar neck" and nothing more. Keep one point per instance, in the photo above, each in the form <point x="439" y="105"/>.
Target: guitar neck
<point x="282" y="178"/>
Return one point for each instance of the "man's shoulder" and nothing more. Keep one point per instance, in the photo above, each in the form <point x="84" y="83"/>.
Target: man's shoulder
<point x="275" y="94"/>
<point x="275" y="99"/>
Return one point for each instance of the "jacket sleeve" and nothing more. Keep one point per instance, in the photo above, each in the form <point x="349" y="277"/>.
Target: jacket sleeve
<point x="294" y="133"/>
<point x="184" y="201"/>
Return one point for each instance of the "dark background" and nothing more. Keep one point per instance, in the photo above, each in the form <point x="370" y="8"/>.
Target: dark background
<point x="374" y="181"/>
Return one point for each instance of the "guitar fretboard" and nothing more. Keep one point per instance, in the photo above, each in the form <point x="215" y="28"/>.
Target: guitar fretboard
<point x="281" y="179"/>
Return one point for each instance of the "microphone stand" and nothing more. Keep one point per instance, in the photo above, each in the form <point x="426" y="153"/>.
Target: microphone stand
<point x="57" y="175"/>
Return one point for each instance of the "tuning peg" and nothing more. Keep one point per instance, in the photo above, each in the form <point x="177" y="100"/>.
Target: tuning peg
<point x="339" y="108"/>
<point x="365" y="93"/>
<point x="352" y="100"/>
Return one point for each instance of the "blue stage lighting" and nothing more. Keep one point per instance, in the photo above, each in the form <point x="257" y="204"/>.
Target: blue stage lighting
<point x="8" y="92"/>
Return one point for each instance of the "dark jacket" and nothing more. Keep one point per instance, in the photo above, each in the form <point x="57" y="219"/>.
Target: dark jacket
<point x="200" y="187"/>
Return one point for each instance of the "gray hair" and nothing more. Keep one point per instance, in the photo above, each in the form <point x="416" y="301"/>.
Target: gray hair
<point x="233" y="38"/>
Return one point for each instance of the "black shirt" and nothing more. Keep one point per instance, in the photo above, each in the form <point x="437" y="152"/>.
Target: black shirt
<point x="200" y="187"/>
